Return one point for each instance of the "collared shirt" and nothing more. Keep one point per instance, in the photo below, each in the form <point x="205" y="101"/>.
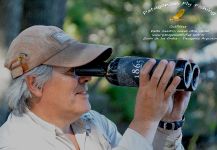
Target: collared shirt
<point x="93" y="131"/>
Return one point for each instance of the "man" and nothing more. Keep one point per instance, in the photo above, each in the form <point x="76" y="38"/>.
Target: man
<point x="50" y="107"/>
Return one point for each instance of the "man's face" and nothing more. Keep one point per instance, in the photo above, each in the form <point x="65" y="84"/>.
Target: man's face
<point x="66" y="94"/>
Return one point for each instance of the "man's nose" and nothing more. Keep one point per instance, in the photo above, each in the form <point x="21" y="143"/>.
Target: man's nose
<point x="84" y="79"/>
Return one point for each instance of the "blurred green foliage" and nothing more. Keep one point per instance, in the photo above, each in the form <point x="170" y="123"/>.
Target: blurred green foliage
<point x="123" y="100"/>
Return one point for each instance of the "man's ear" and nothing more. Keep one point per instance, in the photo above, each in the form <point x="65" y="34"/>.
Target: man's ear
<point x="30" y="81"/>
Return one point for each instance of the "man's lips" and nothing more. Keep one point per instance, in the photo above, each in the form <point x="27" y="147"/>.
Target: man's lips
<point x="82" y="92"/>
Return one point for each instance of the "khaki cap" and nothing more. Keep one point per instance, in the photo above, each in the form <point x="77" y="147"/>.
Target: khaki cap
<point x="51" y="46"/>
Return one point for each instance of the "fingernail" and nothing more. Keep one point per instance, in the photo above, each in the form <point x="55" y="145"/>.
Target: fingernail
<point x="152" y="60"/>
<point x="164" y="61"/>
<point x="172" y="63"/>
<point x="178" y="79"/>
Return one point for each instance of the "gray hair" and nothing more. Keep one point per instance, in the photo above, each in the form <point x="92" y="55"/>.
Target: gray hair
<point x="18" y="95"/>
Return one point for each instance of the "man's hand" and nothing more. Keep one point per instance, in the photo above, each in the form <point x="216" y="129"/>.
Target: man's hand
<point x="177" y="107"/>
<point x="153" y="97"/>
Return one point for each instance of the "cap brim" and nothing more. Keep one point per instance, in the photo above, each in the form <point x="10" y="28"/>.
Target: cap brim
<point x="78" y="54"/>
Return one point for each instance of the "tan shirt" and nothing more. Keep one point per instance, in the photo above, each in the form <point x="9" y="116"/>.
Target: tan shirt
<point x="92" y="131"/>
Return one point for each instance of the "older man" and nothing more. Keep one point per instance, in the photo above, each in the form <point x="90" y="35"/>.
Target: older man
<point x="50" y="106"/>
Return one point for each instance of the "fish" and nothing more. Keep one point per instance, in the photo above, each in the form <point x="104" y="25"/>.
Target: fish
<point x="178" y="15"/>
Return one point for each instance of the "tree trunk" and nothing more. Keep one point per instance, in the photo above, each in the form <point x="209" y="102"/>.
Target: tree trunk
<point x="10" y="16"/>
<point x="44" y="12"/>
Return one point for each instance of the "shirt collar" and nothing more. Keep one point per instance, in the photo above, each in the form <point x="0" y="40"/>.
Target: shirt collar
<point x="44" y="124"/>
